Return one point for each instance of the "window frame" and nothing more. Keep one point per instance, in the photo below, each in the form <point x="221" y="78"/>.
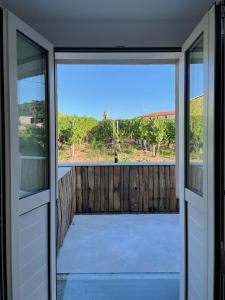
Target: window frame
<point x="187" y="116"/>
<point x="47" y="112"/>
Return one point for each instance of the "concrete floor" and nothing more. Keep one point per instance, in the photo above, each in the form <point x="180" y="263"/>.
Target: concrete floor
<point x="130" y="243"/>
<point x="114" y="287"/>
<point x="120" y="257"/>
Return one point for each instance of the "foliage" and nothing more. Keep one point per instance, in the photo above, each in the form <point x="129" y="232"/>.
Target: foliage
<point x="32" y="140"/>
<point x="102" y="132"/>
<point x="196" y="128"/>
<point x="35" y="108"/>
<point x="130" y="134"/>
<point x="127" y="133"/>
<point x="142" y="129"/>
<point x="73" y="130"/>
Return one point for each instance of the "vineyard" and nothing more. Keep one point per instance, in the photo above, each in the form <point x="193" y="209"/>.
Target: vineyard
<point x="137" y="139"/>
<point x="86" y="139"/>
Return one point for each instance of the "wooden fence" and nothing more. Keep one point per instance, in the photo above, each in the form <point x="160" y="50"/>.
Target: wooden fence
<point x="124" y="188"/>
<point x="64" y="206"/>
<point x="114" y="189"/>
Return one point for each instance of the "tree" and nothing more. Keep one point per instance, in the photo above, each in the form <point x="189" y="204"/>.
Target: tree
<point x="103" y="132"/>
<point x="33" y="140"/>
<point x="170" y="132"/>
<point x="159" y="133"/>
<point x="196" y="137"/>
<point x="64" y="129"/>
<point x="73" y="130"/>
<point x="35" y="108"/>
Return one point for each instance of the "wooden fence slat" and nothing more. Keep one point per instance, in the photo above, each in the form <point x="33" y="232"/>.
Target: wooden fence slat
<point x="111" y="193"/>
<point x="156" y="188"/>
<point x="97" y="190"/>
<point x="116" y="189"/>
<point x="141" y="189"/>
<point x="134" y="188"/>
<point x="84" y="189"/>
<point x="173" y="200"/>
<point x="103" y="183"/>
<point x="126" y="180"/>
<point x="161" y="188"/>
<point x="145" y="188"/>
<point x="73" y="185"/>
<point x="121" y="189"/>
<point x="150" y="188"/>
<point x="167" y="187"/>
<point x="79" y="189"/>
<point x="106" y="193"/>
<point x="91" y="189"/>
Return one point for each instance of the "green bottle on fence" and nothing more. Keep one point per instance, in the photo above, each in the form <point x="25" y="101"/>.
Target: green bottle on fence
<point x="116" y="158"/>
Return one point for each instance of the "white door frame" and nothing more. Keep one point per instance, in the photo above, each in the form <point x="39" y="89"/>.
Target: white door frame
<point x="145" y="58"/>
<point x="140" y="58"/>
<point x="15" y="207"/>
<point x="207" y="24"/>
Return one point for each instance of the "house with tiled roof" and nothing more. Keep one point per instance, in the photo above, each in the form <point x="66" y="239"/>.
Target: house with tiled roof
<point x="161" y="115"/>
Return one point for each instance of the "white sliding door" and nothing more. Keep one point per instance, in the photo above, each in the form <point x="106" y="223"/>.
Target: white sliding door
<point x="30" y="161"/>
<point x="196" y="159"/>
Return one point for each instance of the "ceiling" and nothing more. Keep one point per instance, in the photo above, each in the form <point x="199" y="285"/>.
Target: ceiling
<point x="112" y="22"/>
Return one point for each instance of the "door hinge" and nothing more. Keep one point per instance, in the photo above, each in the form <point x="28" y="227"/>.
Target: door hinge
<point x="222" y="259"/>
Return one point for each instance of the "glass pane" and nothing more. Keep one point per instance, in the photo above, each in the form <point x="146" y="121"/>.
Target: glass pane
<point x="195" y="117"/>
<point x="32" y="121"/>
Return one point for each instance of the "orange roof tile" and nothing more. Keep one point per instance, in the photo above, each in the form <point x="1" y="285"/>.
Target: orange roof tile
<point x="159" y="114"/>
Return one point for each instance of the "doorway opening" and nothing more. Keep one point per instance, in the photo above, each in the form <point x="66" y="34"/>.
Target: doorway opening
<point x="118" y="232"/>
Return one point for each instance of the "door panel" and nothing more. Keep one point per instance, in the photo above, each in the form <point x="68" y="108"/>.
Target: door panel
<point x="196" y="162"/>
<point x="33" y="268"/>
<point x="195" y="238"/>
<point x="197" y="146"/>
<point x="31" y="161"/>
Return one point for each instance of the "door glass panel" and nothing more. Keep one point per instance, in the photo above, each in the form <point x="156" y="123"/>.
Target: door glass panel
<point x="32" y="120"/>
<point x="195" y="118"/>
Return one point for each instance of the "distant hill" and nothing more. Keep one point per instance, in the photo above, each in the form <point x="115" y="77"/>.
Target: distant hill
<point x="34" y="108"/>
<point x="196" y="106"/>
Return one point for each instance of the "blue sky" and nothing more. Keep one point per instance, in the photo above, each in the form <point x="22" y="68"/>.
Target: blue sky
<point x="125" y="91"/>
<point x="197" y="80"/>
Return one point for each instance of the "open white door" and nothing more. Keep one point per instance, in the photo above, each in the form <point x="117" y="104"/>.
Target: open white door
<point x="196" y="159"/>
<point x="31" y="161"/>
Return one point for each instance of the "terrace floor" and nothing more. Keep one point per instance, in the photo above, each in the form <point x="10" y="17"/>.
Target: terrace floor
<point x="127" y="256"/>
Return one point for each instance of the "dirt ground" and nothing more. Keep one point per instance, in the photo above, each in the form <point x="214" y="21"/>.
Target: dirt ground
<point x="85" y="154"/>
